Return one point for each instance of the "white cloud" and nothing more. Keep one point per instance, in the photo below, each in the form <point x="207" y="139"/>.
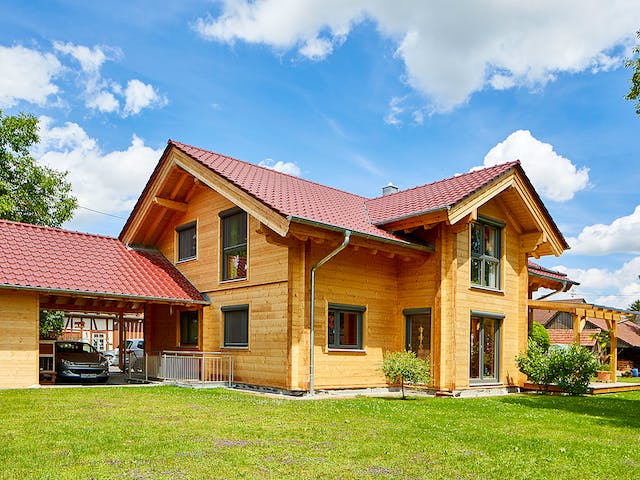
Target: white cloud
<point x="620" y="236"/>
<point x="108" y="182"/>
<point x="450" y="49"/>
<point x="90" y="59"/>
<point x="140" y="95"/>
<point x="27" y="75"/>
<point x="103" y="101"/>
<point x="615" y="287"/>
<point x="316" y="48"/>
<point x="554" y="176"/>
<point x="395" y="110"/>
<point x="280" y="166"/>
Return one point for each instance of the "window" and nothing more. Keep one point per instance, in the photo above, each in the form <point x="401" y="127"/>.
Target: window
<point x="418" y="323"/>
<point x="344" y="326"/>
<point x="485" y="254"/>
<point x="186" y="241"/>
<point x="189" y="327"/>
<point x="485" y="348"/>
<point x="236" y="325"/>
<point x="234" y="244"/>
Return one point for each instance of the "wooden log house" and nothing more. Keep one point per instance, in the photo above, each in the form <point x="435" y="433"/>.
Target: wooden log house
<point x="440" y="269"/>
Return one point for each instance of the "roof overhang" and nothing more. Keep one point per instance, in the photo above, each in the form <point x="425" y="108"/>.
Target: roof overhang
<point x="107" y="301"/>
<point x="173" y="158"/>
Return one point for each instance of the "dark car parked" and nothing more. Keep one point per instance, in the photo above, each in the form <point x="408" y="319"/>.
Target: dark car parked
<point x="80" y="361"/>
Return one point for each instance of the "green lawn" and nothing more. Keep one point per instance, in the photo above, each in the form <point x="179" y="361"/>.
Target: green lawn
<point x="177" y="433"/>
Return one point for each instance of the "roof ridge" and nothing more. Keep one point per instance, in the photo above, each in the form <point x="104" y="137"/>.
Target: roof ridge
<point x="180" y="144"/>
<point x="57" y="229"/>
<point x="505" y="164"/>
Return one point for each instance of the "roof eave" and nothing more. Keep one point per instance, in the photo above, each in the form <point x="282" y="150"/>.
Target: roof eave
<point x="138" y="298"/>
<point x="335" y="228"/>
<point x="400" y="218"/>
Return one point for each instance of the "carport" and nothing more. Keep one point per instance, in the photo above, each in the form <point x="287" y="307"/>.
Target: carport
<point x="48" y="268"/>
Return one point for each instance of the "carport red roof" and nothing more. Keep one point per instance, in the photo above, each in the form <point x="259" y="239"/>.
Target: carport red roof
<point x="303" y="199"/>
<point x="51" y="259"/>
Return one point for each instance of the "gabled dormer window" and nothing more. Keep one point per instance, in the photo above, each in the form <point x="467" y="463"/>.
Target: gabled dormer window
<point x="234" y="244"/>
<point x="485" y="254"/>
<point x="186" y="241"/>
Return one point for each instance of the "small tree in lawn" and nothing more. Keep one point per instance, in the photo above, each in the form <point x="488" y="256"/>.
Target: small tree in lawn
<point x="405" y="367"/>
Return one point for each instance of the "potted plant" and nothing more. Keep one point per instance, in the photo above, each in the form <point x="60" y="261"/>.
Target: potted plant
<point x="604" y="373"/>
<point x="51" y="324"/>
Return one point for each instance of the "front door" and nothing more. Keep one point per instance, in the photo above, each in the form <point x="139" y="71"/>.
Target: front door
<point x="419" y="332"/>
<point x="485" y="346"/>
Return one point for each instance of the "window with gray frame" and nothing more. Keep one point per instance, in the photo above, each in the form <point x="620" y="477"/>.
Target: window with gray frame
<point x="186" y="241"/>
<point x="236" y="325"/>
<point x="234" y="244"/>
<point x="344" y="326"/>
<point x="485" y="253"/>
<point x="189" y="327"/>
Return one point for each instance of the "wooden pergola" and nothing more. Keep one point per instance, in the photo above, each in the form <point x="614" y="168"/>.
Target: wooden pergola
<point x="580" y="313"/>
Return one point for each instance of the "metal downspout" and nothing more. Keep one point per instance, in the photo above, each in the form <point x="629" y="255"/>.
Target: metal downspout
<point x="345" y="242"/>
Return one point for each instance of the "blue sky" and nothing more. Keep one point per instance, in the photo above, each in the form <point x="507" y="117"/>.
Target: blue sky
<point x="353" y="94"/>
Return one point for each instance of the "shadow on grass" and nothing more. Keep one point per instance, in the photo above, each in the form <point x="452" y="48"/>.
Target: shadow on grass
<point x="618" y="411"/>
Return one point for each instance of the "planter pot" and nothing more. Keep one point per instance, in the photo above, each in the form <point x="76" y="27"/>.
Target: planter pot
<point x="603" y="375"/>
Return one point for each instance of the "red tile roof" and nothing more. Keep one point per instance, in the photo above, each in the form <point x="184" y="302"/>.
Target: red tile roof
<point x="289" y="195"/>
<point x="540" y="271"/>
<point x="44" y="258"/>
<point x="628" y="331"/>
<point x="434" y="196"/>
<point x="563" y="336"/>
<point x="302" y="199"/>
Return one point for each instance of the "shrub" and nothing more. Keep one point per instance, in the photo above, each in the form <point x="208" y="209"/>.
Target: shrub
<point x="573" y="368"/>
<point x="540" y="335"/>
<point x="569" y="368"/>
<point x="534" y="363"/>
<point x="405" y="367"/>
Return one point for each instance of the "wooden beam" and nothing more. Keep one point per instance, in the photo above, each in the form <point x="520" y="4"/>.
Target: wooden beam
<point x="529" y="242"/>
<point x="462" y="224"/>
<point x="613" y="356"/>
<point x="170" y="204"/>
<point x="505" y="209"/>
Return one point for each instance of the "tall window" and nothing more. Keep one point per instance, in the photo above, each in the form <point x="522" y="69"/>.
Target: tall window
<point x="418" y="321"/>
<point x="236" y="325"/>
<point x="485" y="348"/>
<point x="186" y="241"/>
<point x="234" y="244"/>
<point x="189" y="327"/>
<point x="485" y="254"/>
<point x="344" y="326"/>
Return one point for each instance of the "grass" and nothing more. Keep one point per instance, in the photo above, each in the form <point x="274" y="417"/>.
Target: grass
<point x="176" y="433"/>
<point x="629" y="379"/>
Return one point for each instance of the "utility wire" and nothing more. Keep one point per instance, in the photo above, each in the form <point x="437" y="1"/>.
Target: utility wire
<point x="101" y="213"/>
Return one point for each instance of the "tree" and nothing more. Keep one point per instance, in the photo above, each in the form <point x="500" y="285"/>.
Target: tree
<point x="30" y="192"/>
<point x="405" y="367"/>
<point x="635" y="306"/>
<point x="51" y="323"/>
<point x="634" y="92"/>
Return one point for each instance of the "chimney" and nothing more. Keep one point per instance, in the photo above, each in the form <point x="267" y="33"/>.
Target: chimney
<point x="389" y="189"/>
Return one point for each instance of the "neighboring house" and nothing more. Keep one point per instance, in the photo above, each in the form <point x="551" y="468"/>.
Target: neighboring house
<point x="307" y="286"/>
<point x="101" y="330"/>
<point x="560" y="327"/>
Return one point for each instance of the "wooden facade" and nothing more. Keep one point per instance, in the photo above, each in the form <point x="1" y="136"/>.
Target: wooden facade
<point x="382" y="280"/>
<point x="18" y="339"/>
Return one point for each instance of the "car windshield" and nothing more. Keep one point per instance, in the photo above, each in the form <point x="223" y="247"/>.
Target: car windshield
<point x="74" y="347"/>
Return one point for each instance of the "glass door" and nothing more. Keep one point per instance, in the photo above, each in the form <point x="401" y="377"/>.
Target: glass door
<point x="485" y="342"/>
